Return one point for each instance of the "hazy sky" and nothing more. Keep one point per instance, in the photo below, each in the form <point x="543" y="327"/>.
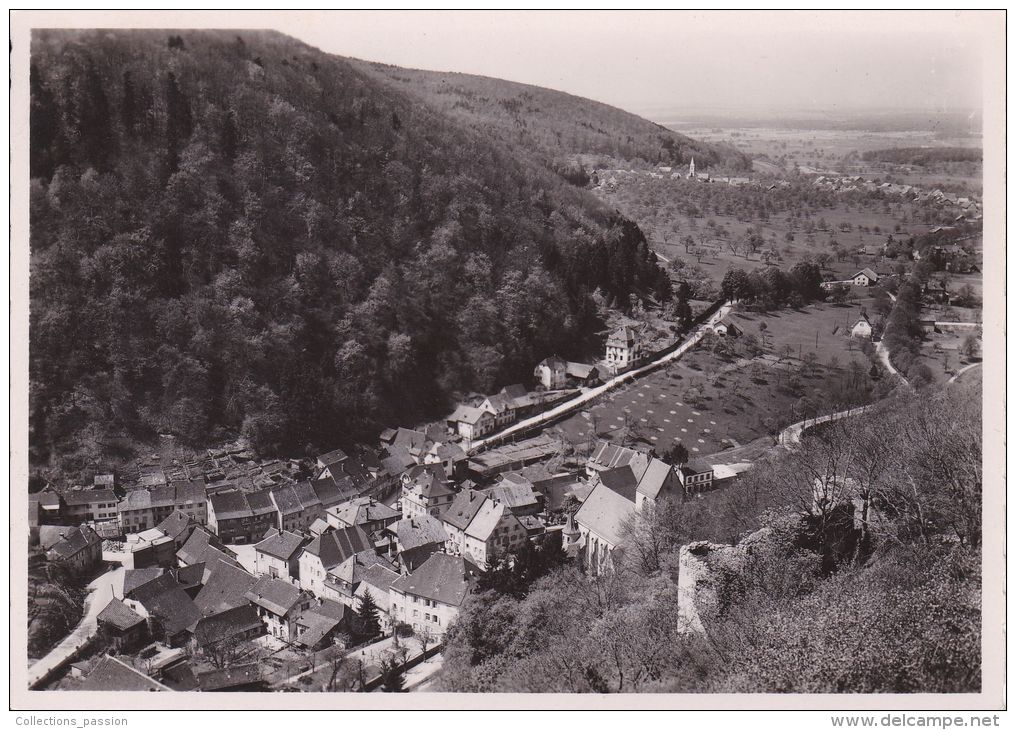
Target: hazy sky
<point x="648" y="62"/>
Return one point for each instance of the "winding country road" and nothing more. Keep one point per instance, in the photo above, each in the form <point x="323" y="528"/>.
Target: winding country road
<point x="792" y="433"/>
<point x="962" y="370"/>
<point x="592" y="393"/>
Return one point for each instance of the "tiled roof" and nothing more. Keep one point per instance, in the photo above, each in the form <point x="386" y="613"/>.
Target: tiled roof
<point x="235" y="676"/>
<point x="74" y="540"/>
<point x="133" y="579"/>
<point x="486" y="519"/>
<point x="621" y="480"/>
<point x="413" y="532"/>
<point x="338" y="545"/>
<point x="654" y="478"/>
<point x="227" y="624"/>
<point x="202" y="546"/>
<point x="604" y="511"/>
<point x="515" y="494"/>
<point x="625" y="336"/>
<point x="281" y="545"/>
<point x="608" y="456"/>
<point x="88" y="496"/>
<point x="176" y="524"/>
<point x="225" y="585"/>
<point x="362" y="510"/>
<point x="112" y="675"/>
<point x="230" y="505"/>
<point x="260" y="503"/>
<point x="165" y="598"/>
<point x="442" y="578"/>
<point x="275" y="595"/>
<point x="118" y="614"/>
<point x="332" y="457"/>
<point x="463" y="508"/>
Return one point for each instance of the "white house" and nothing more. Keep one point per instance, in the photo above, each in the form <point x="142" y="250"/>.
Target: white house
<point x="327" y="552"/>
<point x="278" y="555"/>
<point x="471" y="423"/>
<point x="278" y="605"/>
<point x="624" y="349"/>
<point x="726" y="328"/>
<point x="425" y="491"/>
<point x="479" y="527"/>
<point x="429" y="598"/>
<point x="552" y="373"/>
<point x="864" y="277"/>
<point x="861" y="328"/>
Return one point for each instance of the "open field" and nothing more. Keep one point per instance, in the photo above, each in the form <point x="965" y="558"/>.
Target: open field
<point x="820" y="328"/>
<point x="711" y="403"/>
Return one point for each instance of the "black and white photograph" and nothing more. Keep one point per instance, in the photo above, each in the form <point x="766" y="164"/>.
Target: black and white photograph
<point x="387" y="356"/>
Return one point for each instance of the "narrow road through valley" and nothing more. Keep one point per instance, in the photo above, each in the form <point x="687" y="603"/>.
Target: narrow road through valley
<point x="591" y="394"/>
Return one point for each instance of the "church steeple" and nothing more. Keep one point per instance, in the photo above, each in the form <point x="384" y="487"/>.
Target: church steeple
<point x="691" y="169"/>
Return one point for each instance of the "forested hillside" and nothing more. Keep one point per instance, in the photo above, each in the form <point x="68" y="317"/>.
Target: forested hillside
<point x="870" y="582"/>
<point x="557" y="126"/>
<point x="236" y="233"/>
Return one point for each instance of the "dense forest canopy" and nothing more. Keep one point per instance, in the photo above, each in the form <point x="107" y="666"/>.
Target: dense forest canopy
<point x="236" y="233"/>
<point x="556" y="126"/>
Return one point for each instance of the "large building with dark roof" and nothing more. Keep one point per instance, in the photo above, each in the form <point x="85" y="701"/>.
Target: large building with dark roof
<point x="429" y="598"/>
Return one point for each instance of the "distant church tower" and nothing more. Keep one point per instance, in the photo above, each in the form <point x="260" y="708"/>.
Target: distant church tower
<point x="691" y="169"/>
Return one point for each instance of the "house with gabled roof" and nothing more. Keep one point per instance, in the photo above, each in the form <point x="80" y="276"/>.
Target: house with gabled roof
<point x="471" y="423"/>
<point x="695" y="477"/>
<point x="552" y="373"/>
<point x="425" y="490"/>
<point x="238" y="624"/>
<point x="297" y="505"/>
<point x="278" y="604"/>
<point x="202" y="546"/>
<point x="122" y="628"/>
<point x="417" y="538"/>
<point x="240" y="517"/>
<point x="364" y="512"/>
<point x="325" y="553"/>
<point x="225" y="585"/>
<point x="178" y="526"/>
<point x="517" y="493"/>
<point x="501" y="407"/>
<point x="864" y="277"/>
<point x="112" y="675"/>
<point x="430" y="597"/>
<point x="278" y="555"/>
<point x="320" y="625"/>
<point x="480" y="527"/>
<point x="331" y="459"/>
<point x="862" y="327"/>
<point x="623" y="349"/>
<point x="78" y="548"/>
<point x="171" y="613"/>
<point x="610" y="456"/>
<point x="88" y="505"/>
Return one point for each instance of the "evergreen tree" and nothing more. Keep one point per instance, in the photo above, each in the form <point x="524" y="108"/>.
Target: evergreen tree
<point x="368" y="624"/>
<point x="392" y="679"/>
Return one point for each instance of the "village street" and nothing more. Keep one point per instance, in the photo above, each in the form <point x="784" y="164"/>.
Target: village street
<point x="591" y="394"/>
<point x="100" y="591"/>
